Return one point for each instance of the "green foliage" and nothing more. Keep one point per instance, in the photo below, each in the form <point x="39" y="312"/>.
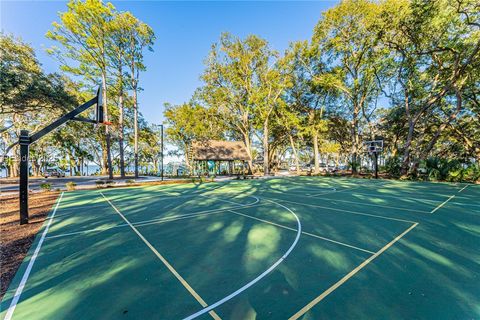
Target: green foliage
<point x="46" y="186"/>
<point x="448" y="170"/>
<point x="24" y="87"/>
<point x="191" y="122"/>
<point x="393" y="166"/>
<point x="130" y="181"/>
<point x="70" y="186"/>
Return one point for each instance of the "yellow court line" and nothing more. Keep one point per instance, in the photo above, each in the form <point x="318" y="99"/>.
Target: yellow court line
<point x="442" y="204"/>
<point x="310" y="305"/>
<point x="166" y="263"/>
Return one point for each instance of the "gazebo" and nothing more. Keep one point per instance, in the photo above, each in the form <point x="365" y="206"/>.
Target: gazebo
<point x="219" y="157"/>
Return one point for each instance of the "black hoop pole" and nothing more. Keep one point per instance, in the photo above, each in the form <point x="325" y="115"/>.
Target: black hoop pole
<point x="25" y="140"/>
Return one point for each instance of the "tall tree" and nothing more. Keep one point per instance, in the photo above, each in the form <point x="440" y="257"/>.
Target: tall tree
<point x="272" y="79"/>
<point x="120" y="27"/>
<point x="29" y="98"/>
<point x="307" y="95"/>
<point x="139" y="36"/>
<point x="435" y="48"/>
<point x="233" y="85"/>
<point x="84" y="34"/>
<point x="347" y="37"/>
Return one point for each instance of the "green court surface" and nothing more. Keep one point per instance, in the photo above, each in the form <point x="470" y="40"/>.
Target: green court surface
<point x="280" y="248"/>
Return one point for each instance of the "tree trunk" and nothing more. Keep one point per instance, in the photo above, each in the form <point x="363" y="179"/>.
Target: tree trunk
<point x="121" y="138"/>
<point x="248" y="146"/>
<point x="135" y="130"/>
<point x="120" y="124"/>
<point x="107" y="153"/>
<point x="315" y="152"/>
<point x="265" y="148"/>
<point x="408" y="144"/>
<point x="355" y="139"/>
<point x="295" y="154"/>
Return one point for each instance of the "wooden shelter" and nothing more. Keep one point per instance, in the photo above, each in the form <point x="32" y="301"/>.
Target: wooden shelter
<point x="219" y="157"/>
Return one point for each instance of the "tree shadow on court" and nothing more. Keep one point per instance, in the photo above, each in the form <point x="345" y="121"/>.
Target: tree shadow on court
<point x="432" y="272"/>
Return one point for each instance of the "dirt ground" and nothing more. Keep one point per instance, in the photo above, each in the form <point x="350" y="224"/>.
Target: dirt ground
<point x="16" y="239"/>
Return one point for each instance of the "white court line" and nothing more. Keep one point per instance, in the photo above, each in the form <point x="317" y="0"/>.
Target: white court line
<point x="21" y="286"/>
<point x="156" y="220"/>
<point x="333" y="191"/>
<point x="303" y="232"/>
<point x="463" y="188"/>
<point x="343" y="210"/>
<point x="322" y="296"/>
<point x="442" y="204"/>
<point x="165" y="262"/>
<point x="259" y="277"/>
<point x="376" y="205"/>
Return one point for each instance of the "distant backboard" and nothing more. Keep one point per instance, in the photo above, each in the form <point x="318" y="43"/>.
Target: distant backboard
<point x="373" y="146"/>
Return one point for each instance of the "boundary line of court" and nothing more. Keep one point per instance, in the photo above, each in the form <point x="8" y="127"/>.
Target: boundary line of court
<point x="442" y="204"/>
<point x="332" y="191"/>
<point x="303" y="232"/>
<point x="21" y="286"/>
<point x="342" y="210"/>
<point x="322" y="296"/>
<point x="465" y="187"/>
<point x="259" y="277"/>
<point x="165" y="262"/>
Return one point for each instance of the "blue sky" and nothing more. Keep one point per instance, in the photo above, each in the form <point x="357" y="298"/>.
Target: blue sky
<point x="185" y="32"/>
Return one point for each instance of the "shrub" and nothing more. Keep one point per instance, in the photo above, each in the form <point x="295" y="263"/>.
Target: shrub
<point x="440" y="169"/>
<point x="393" y="166"/>
<point x="46" y="186"/>
<point x="130" y="181"/>
<point x="70" y="185"/>
<point x="455" y="175"/>
<point x="472" y="173"/>
<point x="109" y="183"/>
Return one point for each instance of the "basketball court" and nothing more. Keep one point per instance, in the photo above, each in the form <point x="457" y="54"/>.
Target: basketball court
<point x="280" y="248"/>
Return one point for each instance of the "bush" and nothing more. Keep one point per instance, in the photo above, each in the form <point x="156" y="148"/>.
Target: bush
<point x="109" y="183"/>
<point x="100" y="183"/>
<point x="130" y="181"/>
<point x="472" y="173"/>
<point x="440" y="169"/>
<point x="70" y="185"/>
<point x="393" y="166"/>
<point x="46" y="186"/>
